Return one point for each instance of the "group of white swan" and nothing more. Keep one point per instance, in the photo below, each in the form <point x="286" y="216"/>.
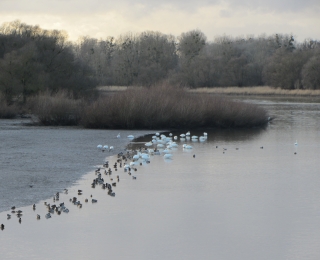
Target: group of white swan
<point x="162" y="144"/>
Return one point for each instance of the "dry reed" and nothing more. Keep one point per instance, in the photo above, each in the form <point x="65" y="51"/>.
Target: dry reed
<point x="165" y="106"/>
<point x="59" y="109"/>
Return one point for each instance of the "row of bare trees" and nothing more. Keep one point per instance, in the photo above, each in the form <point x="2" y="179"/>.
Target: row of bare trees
<point x="190" y="60"/>
<point x="33" y="59"/>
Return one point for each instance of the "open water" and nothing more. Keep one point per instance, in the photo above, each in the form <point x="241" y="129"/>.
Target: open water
<point x="234" y="200"/>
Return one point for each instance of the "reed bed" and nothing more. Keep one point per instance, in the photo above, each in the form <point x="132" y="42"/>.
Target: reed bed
<point x="8" y="111"/>
<point x="263" y="90"/>
<point x="59" y="109"/>
<point x="165" y="106"/>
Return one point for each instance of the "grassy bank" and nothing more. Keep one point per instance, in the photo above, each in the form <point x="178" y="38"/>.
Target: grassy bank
<point x="263" y="91"/>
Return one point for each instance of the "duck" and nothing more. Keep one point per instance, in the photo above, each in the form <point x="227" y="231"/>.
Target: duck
<point x="38" y="216"/>
<point x="48" y="215"/>
<point x="2" y="227"/>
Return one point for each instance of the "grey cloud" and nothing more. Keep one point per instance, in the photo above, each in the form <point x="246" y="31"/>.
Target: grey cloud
<point x="94" y="6"/>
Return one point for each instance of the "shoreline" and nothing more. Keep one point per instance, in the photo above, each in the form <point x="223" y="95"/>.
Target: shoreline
<point x="258" y="91"/>
<point x="66" y="173"/>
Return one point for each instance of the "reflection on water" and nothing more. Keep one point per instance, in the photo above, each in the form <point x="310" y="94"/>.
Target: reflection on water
<point x="234" y="200"/>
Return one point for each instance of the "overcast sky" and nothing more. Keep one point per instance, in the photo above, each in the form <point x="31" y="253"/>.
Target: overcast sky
<point x="102" y="18"/>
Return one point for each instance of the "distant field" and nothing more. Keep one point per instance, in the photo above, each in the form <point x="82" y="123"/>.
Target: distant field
<point x="265" y="90"/>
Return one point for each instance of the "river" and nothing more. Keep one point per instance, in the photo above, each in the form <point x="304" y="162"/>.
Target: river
<point x="241" y="194"/>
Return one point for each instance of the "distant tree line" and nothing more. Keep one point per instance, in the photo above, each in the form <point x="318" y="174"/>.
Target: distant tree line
<point x="33" y="59"/>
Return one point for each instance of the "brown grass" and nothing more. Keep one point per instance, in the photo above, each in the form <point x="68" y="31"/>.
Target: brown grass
<point x="264" y="91"/>
<point x="59" y="109"/>
<point x="165" y="106"/>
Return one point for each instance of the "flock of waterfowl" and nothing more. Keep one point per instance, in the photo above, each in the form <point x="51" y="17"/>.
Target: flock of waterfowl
<point x="128" y="161"/>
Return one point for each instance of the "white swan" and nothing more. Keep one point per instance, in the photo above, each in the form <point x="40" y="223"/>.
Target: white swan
<point x="182" y="135"/>
<point x="130" y="136"/>
<point x="118" y="136"/>
<point x="202" y="138"/>
<point x="167" y="156"/>
<point x="136" y="157"/>
<point x="188" y="133"/>
<point x="296" y="143"/>
<point x="186" y="146"/>
<point x="172" y="145"/>
<point x="145" y="156"/>
<point x="106" y="147"/>
<point x="99" y="146"/>
<point x="148" y="144"/>
<point x="166" y="151"/>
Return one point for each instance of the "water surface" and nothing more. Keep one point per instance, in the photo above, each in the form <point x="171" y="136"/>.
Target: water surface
<point x="234" y="200"/>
